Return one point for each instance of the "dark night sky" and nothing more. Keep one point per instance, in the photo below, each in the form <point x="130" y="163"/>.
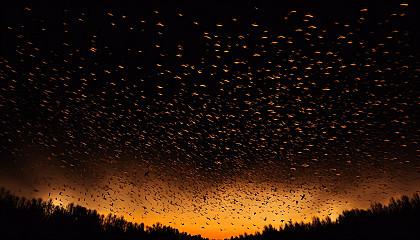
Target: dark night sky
<point x="192" y="111"/>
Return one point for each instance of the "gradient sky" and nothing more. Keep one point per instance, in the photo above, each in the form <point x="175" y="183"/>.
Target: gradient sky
<point x="216" y="119"/>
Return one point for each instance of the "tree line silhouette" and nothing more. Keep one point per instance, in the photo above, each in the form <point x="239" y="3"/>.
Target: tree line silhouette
<point x="35" y="218"/>
<point x="400" y="219"/>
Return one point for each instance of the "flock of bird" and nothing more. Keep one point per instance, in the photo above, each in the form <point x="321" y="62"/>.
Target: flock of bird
<point x="225" y="125"/>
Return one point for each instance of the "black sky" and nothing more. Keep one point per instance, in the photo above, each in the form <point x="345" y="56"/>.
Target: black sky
<point x="215" y="91"/>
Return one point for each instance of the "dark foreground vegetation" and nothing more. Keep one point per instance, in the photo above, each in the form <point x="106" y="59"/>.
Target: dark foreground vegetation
<point x="400" y="219"/>
<point x="30" y="219"/>
<point x="36" y="219"/>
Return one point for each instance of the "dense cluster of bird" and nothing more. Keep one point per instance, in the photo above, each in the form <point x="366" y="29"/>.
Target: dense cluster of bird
<point x="210" y="120"/>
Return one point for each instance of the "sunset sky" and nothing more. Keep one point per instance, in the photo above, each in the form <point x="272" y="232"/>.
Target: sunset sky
<point x="215" y="118"/>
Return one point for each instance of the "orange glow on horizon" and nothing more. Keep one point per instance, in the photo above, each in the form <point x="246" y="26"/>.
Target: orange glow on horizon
<point x="229" y="209"/>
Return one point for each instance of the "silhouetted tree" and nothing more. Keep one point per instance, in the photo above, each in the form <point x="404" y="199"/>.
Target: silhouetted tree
<point x="400" y="219"/>
<point x="37" y="219"/>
